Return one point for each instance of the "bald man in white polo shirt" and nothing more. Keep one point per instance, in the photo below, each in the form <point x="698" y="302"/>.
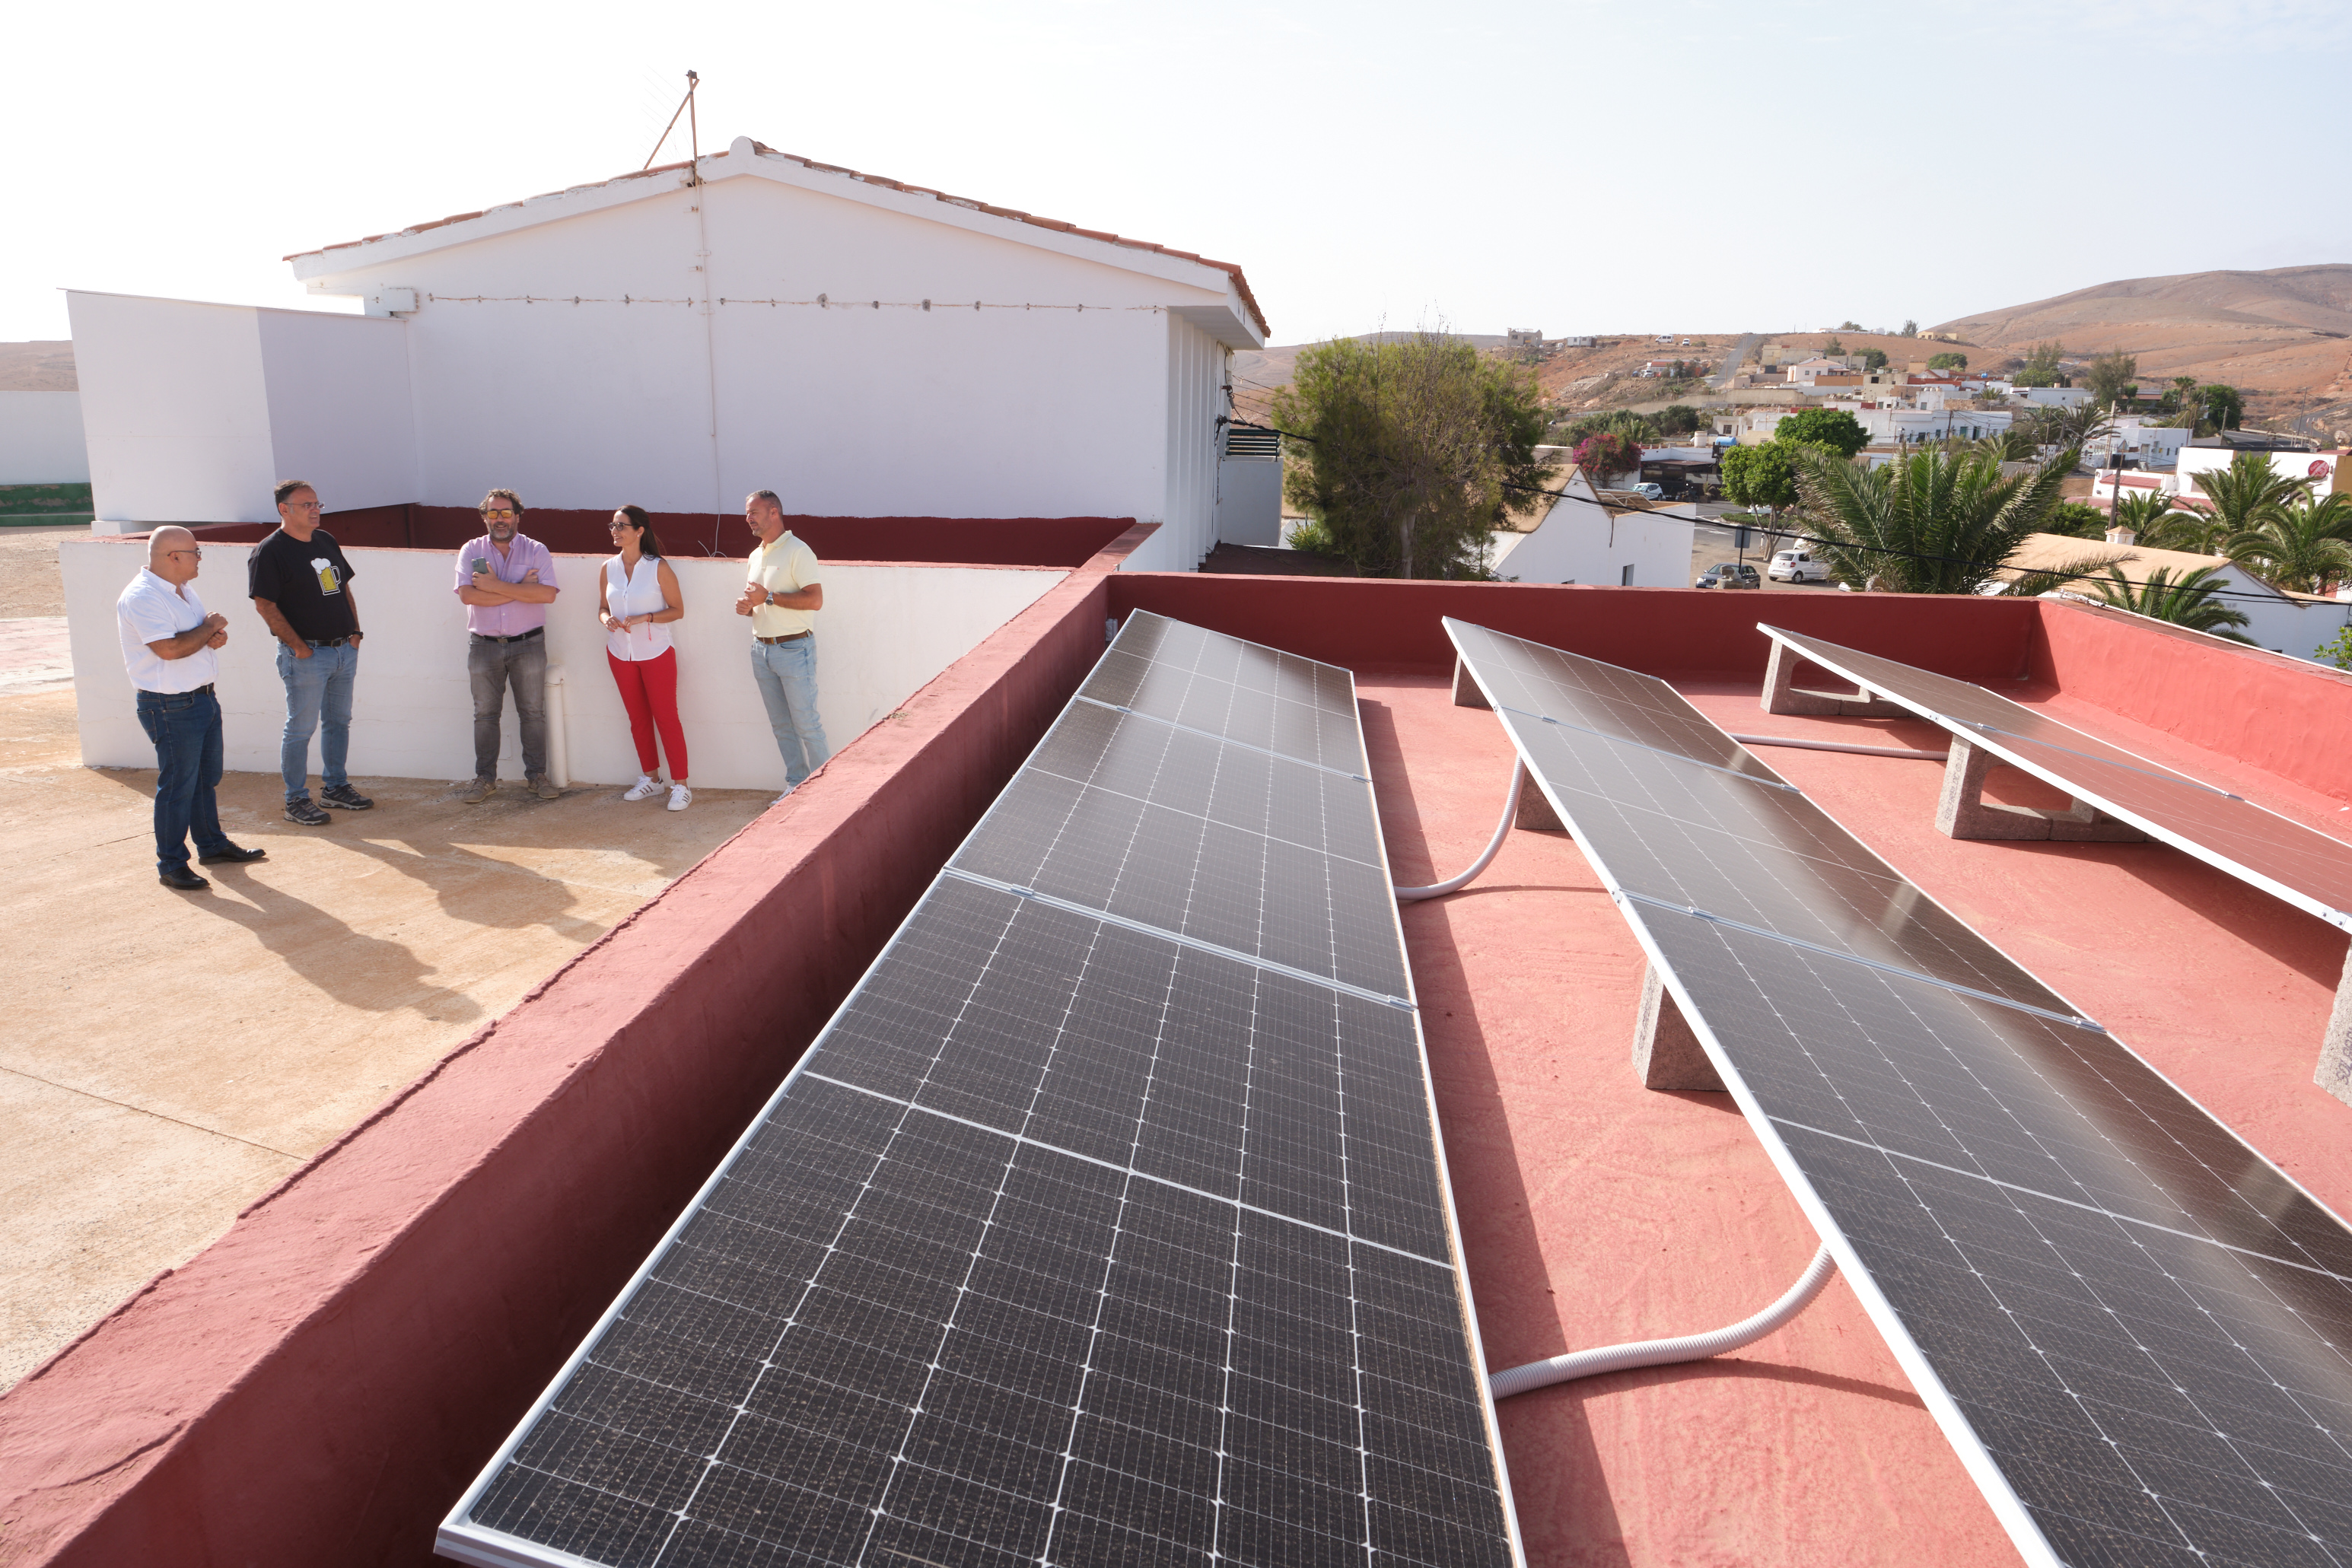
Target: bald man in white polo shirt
<point x="168" y="642"/>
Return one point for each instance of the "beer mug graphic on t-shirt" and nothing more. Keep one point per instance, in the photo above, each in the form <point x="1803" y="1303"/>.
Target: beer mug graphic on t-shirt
<point x="326" y="571"/>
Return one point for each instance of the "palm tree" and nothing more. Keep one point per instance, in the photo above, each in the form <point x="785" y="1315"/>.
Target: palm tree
<point x="1926" y="522"/>
<point x="2143" y="513"/>
<point x="2187" y="602"/>
<point x="2238" y="498"/>
<point x="2300" y="546"/>
<point x="2080" y="425"/>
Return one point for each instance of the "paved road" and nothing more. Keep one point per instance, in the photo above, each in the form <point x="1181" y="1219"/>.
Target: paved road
<point x="1732" y="362"/>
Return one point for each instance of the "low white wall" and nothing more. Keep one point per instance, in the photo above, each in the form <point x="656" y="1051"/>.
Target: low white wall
<point x="886" y="630"/>
<point x="40" y="439"/>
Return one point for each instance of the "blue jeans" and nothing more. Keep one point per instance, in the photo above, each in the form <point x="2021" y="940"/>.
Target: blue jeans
<point x="317" y="697"/>
<point x="787" y="676"/>
<point x="186" y="729"/>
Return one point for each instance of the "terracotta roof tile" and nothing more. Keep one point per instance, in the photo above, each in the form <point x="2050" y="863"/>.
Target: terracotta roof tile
<point x="1231" y="269"/>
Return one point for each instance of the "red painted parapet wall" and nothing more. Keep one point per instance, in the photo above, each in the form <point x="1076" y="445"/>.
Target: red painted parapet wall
<point x="964" y="542"/>
<point x="1367" y="625"/>
<point x="2286" y="717"/>
<point x="318" y="1387"/>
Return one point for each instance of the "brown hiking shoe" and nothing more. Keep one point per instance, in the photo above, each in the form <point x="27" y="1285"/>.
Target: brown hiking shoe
<point x="544" y="787"/>
<point x="480" y="790"/>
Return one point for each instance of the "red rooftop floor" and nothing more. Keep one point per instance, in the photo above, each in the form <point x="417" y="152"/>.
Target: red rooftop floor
<point x="319" y="1385"/>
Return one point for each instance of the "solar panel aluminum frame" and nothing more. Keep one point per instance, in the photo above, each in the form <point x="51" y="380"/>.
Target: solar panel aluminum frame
<point x="2007" y="1506"/>
<point x="2022" y="757"/>
<point x="463" y="1542"/>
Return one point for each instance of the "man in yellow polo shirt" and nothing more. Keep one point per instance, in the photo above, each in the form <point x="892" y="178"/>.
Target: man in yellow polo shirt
<point x="782" y="595"/>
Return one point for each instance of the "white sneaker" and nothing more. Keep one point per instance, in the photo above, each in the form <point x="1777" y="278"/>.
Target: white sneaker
<point x="787" y="794"/>
<point x="679" y="795"/>
<point x="645" y="787"/>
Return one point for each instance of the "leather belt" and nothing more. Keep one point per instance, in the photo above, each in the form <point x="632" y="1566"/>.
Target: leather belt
<point x="205" y="690"/>
<point x="787" y="637"/>
<point x="517" y="637"/>
<point x="330" y="642"/>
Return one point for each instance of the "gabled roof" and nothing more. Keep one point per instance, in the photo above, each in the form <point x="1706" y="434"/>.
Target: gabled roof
<point x="2054" y="552"/>
<point x="1233" y="269"/>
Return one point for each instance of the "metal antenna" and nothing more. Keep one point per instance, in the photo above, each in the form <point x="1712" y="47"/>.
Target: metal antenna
<point x="685" y="105"/>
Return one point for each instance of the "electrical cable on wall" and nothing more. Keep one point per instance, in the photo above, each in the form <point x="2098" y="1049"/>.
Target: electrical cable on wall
<point x="821" y="302"/>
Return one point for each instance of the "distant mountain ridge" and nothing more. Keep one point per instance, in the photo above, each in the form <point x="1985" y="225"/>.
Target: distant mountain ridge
<point x="2312" y="298"/>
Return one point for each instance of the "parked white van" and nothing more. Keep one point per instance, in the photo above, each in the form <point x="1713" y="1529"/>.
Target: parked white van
<point x="1797" y="566"/>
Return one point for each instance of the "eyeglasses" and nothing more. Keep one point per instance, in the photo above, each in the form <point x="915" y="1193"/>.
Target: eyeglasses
<point x="198" y="553"/>
<point x="499" y="512"/>
<point x="302" y="506"/>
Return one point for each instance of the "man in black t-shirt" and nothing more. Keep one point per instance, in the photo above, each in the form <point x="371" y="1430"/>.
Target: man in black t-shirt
<point x="302" y="586"/>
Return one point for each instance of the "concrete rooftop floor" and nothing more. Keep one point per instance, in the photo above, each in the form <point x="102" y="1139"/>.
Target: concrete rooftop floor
<point x="174" y="1056"/>
<point x="1595" y="1211"/>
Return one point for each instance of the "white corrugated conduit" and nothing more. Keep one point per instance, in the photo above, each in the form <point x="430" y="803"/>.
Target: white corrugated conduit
<point x="1659" y="1352"/>
<point x="1842" y="746"/>
<point x="1485" y="856"/>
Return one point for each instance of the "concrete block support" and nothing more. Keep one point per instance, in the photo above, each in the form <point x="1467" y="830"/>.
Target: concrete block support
<point x="1782" y="694"/>
<point x="1963" y="812"/>
<point x="1535" y="813"/>
<point x="1465" y="690"/>
<point x="2335" y="1070"/>
<point x="1666" y="1054"/>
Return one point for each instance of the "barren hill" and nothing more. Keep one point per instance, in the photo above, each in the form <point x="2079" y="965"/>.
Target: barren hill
<point x="2280" y="336"/>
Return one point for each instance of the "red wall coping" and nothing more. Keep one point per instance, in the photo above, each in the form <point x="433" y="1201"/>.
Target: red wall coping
<point x="2286" y="717"/>
<point x="1068" y="542"/>
<point x="1384" y="624"/>
<point x="320" y="1383"/>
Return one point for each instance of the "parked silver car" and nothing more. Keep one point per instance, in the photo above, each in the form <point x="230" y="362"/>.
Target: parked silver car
<point x="1797" y="566"/>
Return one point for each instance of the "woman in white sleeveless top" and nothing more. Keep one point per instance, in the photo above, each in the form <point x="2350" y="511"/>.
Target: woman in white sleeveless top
<point x="640" y="599"/>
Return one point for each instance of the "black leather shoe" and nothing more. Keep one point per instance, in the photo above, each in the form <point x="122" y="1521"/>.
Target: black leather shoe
<point x="231" y="856"/>
<point x="182" y="878"/>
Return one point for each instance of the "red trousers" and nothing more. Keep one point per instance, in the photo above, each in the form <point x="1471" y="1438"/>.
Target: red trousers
<point x="649" y="691"/>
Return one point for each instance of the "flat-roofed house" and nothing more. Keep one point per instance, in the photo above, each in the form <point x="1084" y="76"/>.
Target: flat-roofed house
<point x="679" y="336"/>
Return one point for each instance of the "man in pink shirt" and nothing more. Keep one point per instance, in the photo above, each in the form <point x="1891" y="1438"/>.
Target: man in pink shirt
<point x="506" y="579"/>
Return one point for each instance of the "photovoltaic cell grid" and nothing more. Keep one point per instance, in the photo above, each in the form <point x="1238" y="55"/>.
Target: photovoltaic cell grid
<point x="2307" y="868"/>
<point x="2133" y="1328"/>
<point x="1105" y="1222"/>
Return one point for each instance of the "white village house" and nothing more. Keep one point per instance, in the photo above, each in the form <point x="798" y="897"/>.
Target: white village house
<point x="679" y="336"/>
<point x="1611" y="540"/>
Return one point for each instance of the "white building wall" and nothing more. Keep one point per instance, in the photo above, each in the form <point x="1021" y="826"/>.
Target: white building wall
<point x="41" y="439"/>
<point x="2318" y="468"/>
<point x="885" y="631"/>
<point x="1581" y="542"/>
<point x="174" y="409"/>
<point x="194" y="411"/>
<point x="340" y="411"/>
<point x="1249" y="501"/>
<point x="1196" y="396"/>
<point x="1029" y="406"/>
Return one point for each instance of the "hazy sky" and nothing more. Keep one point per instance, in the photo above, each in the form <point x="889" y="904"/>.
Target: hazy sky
<point x="1675" y="165"/>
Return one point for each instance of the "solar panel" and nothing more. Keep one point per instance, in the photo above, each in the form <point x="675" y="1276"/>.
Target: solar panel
<point x="2134" y="1330"/>
<point x="2308" y="869"/>
<point x="1105" y="1223"/>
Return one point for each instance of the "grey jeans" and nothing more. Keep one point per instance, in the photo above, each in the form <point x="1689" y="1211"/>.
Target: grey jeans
<point x="495" y="666"/>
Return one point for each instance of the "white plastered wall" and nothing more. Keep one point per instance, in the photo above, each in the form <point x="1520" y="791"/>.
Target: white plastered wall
<point x="1581" y="541"/>
<point x="193" y="411"/>
<point x="1028" y="407"/>
<point x="886" y="631"/>
<point x="41" y="439"/>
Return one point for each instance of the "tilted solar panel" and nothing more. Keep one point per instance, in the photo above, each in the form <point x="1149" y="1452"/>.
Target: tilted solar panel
<point x="2134" y="1330"/>
<point x="1105" y="1223"/>
<point x="2305" y="867"/>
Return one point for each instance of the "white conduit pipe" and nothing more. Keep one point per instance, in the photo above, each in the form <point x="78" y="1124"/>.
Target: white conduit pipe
<point x="1487" y="856"/>
<point x="1842" y="746"/>
<point x="1658" y="1352"/>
